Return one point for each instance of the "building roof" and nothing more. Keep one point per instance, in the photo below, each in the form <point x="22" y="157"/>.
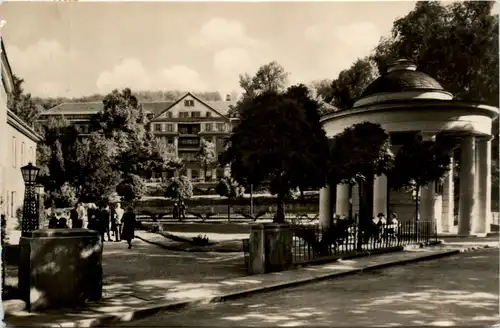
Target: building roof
<point x="6" y="71"/>
<point x="17" y="123"/>
<point x="401" y="76"/>
<point x="153" y="107"/>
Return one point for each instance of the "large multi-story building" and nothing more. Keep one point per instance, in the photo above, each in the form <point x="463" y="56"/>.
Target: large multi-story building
<point x="182" y="123"/>
<point x="18" y="142"/>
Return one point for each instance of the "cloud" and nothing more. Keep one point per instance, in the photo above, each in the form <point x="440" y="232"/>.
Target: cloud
<point x="182" y="78"/>
<point x="40" y="64"/>
<point x="313" y="33"/>
<point x="220" y="33"/>
<point x="130" y="73"/>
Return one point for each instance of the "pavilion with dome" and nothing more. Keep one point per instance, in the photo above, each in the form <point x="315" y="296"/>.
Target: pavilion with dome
<point x="406" y="102"/>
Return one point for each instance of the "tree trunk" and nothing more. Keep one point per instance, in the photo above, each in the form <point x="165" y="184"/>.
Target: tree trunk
<point x="365" y="210"/>
<point x="228" y="210"/>
<point x="280" y="210"/>
<point x="350" y="203"/>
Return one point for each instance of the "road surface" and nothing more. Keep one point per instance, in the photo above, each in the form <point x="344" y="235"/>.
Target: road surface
<point x="458" y="290"/>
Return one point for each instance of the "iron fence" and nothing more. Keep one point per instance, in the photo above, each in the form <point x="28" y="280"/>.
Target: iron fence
<point x="312" y="242"/>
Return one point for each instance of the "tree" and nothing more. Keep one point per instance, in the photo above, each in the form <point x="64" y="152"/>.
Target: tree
<point x="96" y="178"/>
<point x="271" y="77"/>
<point x="123" y="121"/>
<point x="54" y="152"/>
<point x="351" y="83"/>
<point x="131" y="188"/>
<point x="279" y="140"/>
<point x="418" y="163"/>
<point x="207" y="155"/>
<point x="179" y="188"/>
<point x="231" y="189"/>
<point x="22" y="104"/>
<point x="357" y="155"/>
<point x="455" y="43"/>
<point x="458" y="45"/>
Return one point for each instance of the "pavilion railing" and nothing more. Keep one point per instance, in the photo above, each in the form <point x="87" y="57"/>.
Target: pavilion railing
<point x="312" y="242"/>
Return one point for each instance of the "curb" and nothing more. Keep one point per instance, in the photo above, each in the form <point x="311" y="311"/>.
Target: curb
<point x="173" y="306"/>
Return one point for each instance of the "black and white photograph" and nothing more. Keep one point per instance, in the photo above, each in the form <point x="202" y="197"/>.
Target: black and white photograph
<point x="249" y="164"/>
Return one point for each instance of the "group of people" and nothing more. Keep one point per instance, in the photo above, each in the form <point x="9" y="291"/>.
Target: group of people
<point x="385" y="228"/>
<point x="108" y="220"/>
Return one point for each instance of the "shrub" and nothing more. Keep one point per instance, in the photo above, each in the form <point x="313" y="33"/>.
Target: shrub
<point x="131" y="188"/>
<point x="179" y="188"/>
<point x="63" y="197"/>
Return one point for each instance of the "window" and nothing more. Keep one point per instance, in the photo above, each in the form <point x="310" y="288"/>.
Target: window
<point x="209" y="114"/>
<point x="23" y="160"/>
<point x="188" y="103"/>
<point x="31" y="155"/>
<point x="221" y="127"/>
<point x="170" y="128"/>
<point x="12" y="203"/>
<point x="194" y="174"/>
<point x="169" y="114"/>
<point x="14" y="152"/>
<point x="8" y="203"/>
<point x="208" y="127"/>
<point x="157" y="127"/>
<point x="183" y="114"/>
<point x="189" y="141"/>
<point x="195" y="114"/>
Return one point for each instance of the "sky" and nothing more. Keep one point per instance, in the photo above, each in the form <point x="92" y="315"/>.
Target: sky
<point x="72" y="49"/>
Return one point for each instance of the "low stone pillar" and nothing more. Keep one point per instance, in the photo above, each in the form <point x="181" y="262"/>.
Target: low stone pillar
<point x="270" y="248"/>
<point x="60" y="268"/>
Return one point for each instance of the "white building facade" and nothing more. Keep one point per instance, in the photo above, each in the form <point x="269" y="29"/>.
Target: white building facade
<point x="18" y="143"/>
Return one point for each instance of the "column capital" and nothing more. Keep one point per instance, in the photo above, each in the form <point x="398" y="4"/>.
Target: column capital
<point x="485" y="138"/>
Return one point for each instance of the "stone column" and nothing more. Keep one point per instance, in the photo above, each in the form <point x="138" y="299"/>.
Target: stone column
<point x="325" y="206"/>
<point x="214" y="174"/>
<point x="448" y="204"/>
<point x="483" y="183"/>
<point x="342" y="200"/>
<point x="467" y="206"/>
<point x="427" y="202"/>
<point x="380" y="195"/>
<point x="188" y="173"/>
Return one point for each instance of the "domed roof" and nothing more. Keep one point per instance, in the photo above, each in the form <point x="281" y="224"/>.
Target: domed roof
<point x="401" y="76"/>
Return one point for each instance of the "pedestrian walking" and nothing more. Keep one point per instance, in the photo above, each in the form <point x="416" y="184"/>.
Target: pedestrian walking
<point x="92" y="217"/>
<point x="182" y="211"/>
<point x="116" y="217"/>
<point x="175" y="211"/>
<point x="103" y="221"/>
<point x="128" y="222"/>
<point x="76" y="221"/>
<point x="53" y="221"/>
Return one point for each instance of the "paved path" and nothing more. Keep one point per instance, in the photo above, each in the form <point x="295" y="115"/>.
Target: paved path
<point x="147" y="278"/>
<point x="458" y="290"/>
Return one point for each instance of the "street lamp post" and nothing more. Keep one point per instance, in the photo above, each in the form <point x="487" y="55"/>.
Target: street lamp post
<point x="39" y="201"/>
<point x="30" y="211"/>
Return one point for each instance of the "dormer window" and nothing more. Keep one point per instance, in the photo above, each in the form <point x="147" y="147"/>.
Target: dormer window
<point x="188" y="103"/>
<point x="209" y="114"/>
